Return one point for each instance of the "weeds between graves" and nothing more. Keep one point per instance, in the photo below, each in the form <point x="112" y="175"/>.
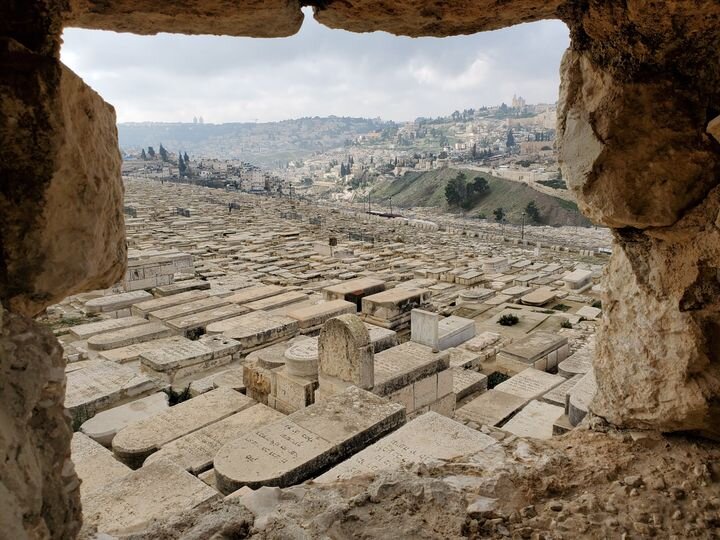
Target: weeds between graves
<point x="508" y="320"/>
<point x="175" y="397"/>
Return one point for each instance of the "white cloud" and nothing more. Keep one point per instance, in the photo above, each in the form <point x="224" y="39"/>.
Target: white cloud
<point x="319" y="71"/>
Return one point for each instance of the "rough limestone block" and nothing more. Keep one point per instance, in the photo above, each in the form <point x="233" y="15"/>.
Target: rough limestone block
<point x="61" y="218"/>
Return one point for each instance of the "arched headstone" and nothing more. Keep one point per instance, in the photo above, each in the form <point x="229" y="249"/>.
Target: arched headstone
<point x="345" y="351"/>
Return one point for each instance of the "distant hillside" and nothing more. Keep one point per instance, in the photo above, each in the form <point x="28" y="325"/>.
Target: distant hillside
<point x="428" y="189"/>
<point x="263" y="144"/>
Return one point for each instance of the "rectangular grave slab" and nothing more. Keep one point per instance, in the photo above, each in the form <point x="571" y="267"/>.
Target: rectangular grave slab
<point x="130" y="353"/>
<point x="277" y="301"/>
<point x="142" y="309"/>
<point x="491" y="408"/>
<point x="354" y="290"/>
<point x="417" y="442"/>
<point x="152" y="493"/>
<point x="256" y="329"/>
<point x="103" y="427"/>
<point x="258" y="292"/>
<point x="559" y="395"/>
<point x="294" y="449"/>
<point x="85" y="331"/>
<point x="115" y="302"/>
<point x="580" y="396"/>
<point x="195" y="452"/>
<point x="454" y="331"/>
<point x="467" y="382"/>
<point x="94" y="464"/>
<point x="128" y="336"/>
<point x="530" y="384"/>
<point x="133" y="444"/>
<point x="403" y="365"/>
<point x="535" y="420"/>
<point x="101" y="384"/>
<point x="312" y="317"/>
<point x="189" y="325"/>
<point x="187" y="308"/>
<point x="534" y="348"/>
<point x="181" y="287"/>
<point x="381" y="338"/>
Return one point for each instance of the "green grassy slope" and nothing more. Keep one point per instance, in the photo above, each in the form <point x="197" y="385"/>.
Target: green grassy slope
<point x="428" y="189"/>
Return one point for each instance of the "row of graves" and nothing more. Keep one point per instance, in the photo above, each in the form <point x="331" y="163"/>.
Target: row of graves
<point x="266" y="360"/>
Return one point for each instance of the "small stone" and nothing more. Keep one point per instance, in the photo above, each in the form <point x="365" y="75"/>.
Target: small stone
<point x="555" y="506"/>
<point x="528" y="512"/>
<point x="634" y="492"/>
<point x="656" y="482"/>
<point x="633" y="481"/>
<point x="482" y="507"/>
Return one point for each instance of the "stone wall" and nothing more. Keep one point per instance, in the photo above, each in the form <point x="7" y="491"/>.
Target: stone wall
<point x="40" y="495"/>
<point x="639" y="86"/>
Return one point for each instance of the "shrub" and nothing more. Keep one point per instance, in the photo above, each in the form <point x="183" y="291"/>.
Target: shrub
<point x="566" y="324"/>
<point x="175" y="397"/>
<point x="496" y="378"/>
<point x="508" y="320"/>
<point x="597" y="304"/>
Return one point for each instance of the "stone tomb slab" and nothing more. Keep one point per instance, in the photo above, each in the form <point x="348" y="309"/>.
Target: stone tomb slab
<point x="115" y="302"/>
<point x="195" y="452"/>
<point x="135" y="443"/>
<point x="294" y="449"/>
<point x="181" y="287"/>
<point x="255" y="329"/>
<point x="535" y="420"/>
<point x="152" y="493"/>
<point x="580" y="396"/>
<point x="559" y="395"/>
<point x="277" y="301"/>
<point x="198" y="322"/>
<point x="530" y="384"/>
<point x="94" y="464"/>
<point x="103" y="427"/>
<point x="128" y="336"/>
<point x="85" y="331"/>
<point x="415" y="442"/>
<point x="467" y="382"/>
<point x="187" y="308"/>
<point x="258" y="292"/>
<point x="534" y="347"/>
<point x="312" y="317"/>
<point x="130" y="353"/>
<point x="490" y="408"/>
<point x="400" y="366"/>
<point x="454" y="331"/>
<point x="142" y="309"/>
<point x="101" y="384"/>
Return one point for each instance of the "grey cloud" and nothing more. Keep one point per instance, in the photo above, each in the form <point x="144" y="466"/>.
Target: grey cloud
<point x="317" y="72"/>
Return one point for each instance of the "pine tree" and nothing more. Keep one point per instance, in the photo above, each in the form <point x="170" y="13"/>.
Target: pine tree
<point x="187" y="159"/>
<point x="151" y="152"/>
<point x="163" y="153"/>
<point x="143" y="155"/>
<point x="510" y="139"/>
<point x="499" y="214"/>
<point x="181" y="165"/>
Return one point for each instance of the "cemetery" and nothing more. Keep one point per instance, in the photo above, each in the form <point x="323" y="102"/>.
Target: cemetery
<point x="296" y="362"/>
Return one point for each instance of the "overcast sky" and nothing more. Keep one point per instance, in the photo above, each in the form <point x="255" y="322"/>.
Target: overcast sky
<point x="319" y="71"/>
